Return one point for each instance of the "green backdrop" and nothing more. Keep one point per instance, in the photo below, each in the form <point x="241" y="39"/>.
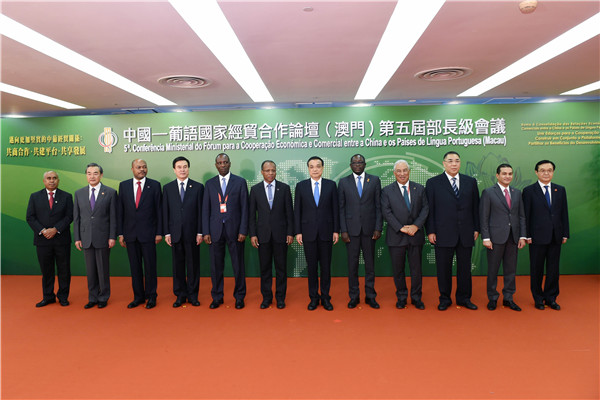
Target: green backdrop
<point x="484" y="135"/>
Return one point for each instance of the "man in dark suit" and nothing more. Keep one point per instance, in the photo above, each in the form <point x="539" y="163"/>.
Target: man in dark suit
<point x="225" y="213"/>
<point x="49" y="214"/>
<point x="361" y="223"/>
<point x="405" y="208"/>
<point x="502" y="220"/>
<point x="95" y="231"/>
<point x="547" y="224"/>
<point x="317" y="222"/>
<point x="271" y="226"/>
<point x="182" y="225"/>
<point x="453" y="228"/>
<point x="140" y="230"/>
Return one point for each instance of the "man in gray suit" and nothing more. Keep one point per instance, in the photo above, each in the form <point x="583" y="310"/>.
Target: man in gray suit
<point x="359" y="195"/>
<point x="95" y="231"/>
<point x="405" y="208"/>
<point x="503" y="230"/>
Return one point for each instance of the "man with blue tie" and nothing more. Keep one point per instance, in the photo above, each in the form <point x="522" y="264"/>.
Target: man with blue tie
<point x="225" y="216"/>
<point x="317" y="223"/>
<point x="547" y="217"/>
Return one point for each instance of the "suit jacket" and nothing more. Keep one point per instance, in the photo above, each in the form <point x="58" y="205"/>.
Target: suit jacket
<point x="316" y="222"/>
<point x="362" y="212"/>
<point x="145" y="222"/>
<point x="39" y="216"/>
<point x="94" y="228"/>
<point x="497" y="219"/>
<point x="545" y="224"/>
<point x="451" y="218"/>
<point x="236" y="217"/>
<point x="277" y="222"/>
<point x="182" y="220"/>
<point x="397" y="214"/>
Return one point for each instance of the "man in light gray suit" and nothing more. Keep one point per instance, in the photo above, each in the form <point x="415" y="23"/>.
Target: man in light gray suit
<point x="405" y="208"/>
<point x="95" y="231"/>
<point x="503" y="230"/>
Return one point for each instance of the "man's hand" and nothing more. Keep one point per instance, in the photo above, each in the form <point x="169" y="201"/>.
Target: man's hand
<point x="198" y="239"/>
<point x="345" y="237"/>
<point x="254" y="241"/>
<point x="289" y="240"/>
<point x="488" y="244"/>
<point x="241" y="237"/>
<point x="78" y="244"/>
<point x="432" y="238"/>
<point x="157" y="239"/>
<point x="49" y="233"/>
<point x="376" y="235"/>
<point x="122" y="241"/>
<point x="410" y="230"/>
<point x="336" y="237"/>
<point x="475" y="235"/>
<point x="111" y="243"/>
<point x="207" y="239"/>
<point x="522" y="243"/>
<point x="299" y="239"/>
<point x="168" y="240"/>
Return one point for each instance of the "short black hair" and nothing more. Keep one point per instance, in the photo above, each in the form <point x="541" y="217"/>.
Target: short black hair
<point x="267" y="161"/>
<point x="315" y="158"/>
<point x="93" y="164"/>
<point x="222" y="154"/>
<point x="450" y="152"/>
<point x="503" y="165"/>
<point x="545" y="162"/>
<point x="357" y="155"/>
<point x="180" y="158"/>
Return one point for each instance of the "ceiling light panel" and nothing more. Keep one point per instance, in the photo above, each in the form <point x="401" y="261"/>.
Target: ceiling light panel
<point x="37" y="97"/>
<point x="583" y="89"/>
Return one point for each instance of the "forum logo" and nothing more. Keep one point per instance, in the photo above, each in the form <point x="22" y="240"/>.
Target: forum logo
<point x="108" y="139"/>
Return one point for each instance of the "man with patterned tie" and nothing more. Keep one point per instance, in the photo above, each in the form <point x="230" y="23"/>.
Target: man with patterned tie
<point x="271" y="226"/>
<point x="547" y="224"/>
<point x="140" y="230"/>
<point x="317" y="224"/>
<point x="502" y="219"/>
<point x="361" y="224"/>
<point x="405" y="208"/>
<point x="453" y="228"/>
<point x="49" y="214"/>
<point x="182" y="226"/>
<point x="95" y="232"/>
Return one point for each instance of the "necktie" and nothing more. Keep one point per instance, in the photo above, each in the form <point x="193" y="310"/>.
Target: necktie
<point x="359" y="186"/>
<point x="93" y="199"/>
<point x="454" y="187"/>
<point x="51" y="200"/>
<point x="182" y="192"/>
<point x="138" y="194"/>
<point x="270" y="195"/>
<point x="316" y="193"/>
<point x="406" y="199"/>
<point x="223" y="186"/>
<point x="547" y="194"/>
<point x="507" y="197"/>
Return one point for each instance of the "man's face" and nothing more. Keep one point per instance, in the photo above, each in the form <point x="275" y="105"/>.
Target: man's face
<point x="51" y="180"/>
<point x="545" y="173"/>
<point x="357" y="164"/>
<point x="182" y="170"/>
<point x="505" y="176"/>
<point x="402" y="173"/>
<point x="315" y="169"/>
<point x="452" y="164"/>
<point x="223" y="164"/>
<point x="93" y="175"/>
<point x="269" y="172"/>
<point x="139" y="169"/>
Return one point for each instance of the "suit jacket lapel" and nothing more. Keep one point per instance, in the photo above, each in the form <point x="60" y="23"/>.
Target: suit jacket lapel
<point x="500" y="194"/>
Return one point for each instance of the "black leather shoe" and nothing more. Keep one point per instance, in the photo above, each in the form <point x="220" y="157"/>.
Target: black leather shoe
<point x="151" y="303"/>
<point x="265" y="304"/>
<point x="313" y="304"/>
<point x="400" y="304"/>
<point x="540" y="306"/>
<point x="90" y="305"/>
<point x="418" y="304"/>
<point x="102" y="304"/>
<point x="492" y="305"/>
<point x="280" y="304"/>
<point x="467" y="304"/>
<point x="327" y="304"/>
<point x="64" y="303"/>
<point x="353" y="303"/>
<point x="239" y="304"/>
<point x="45" y="302"/>
<point x="443" y="306"/>
<point x="511" y="304"/>
<point x="553" y="305"/>
<point x="178" y="302"/>
<point x="135" y="303"/>
<point x="215" y="304"/>
<point x="195" y="303"/>
<point x="372" y="302"/>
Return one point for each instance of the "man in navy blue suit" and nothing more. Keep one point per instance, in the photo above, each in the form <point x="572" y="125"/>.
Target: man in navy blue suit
<point x="317" y="223"/>
<point x="140" y="230"/>
<point x="182" y="226"/>
<point x="547" y="221"/>
<point x="453" y="228"/>
<point x="225" y="213"/>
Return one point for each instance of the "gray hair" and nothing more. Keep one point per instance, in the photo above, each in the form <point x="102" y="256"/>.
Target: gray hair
<point x="400" y="162"/>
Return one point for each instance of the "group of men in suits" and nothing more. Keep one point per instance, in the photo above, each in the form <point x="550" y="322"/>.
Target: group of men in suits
<point x="222" y="215"/>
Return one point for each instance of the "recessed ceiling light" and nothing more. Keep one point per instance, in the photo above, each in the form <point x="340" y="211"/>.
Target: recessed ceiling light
<point x="454" y="102"/>
<point x="308" y="9"/>
<point x="551" y="100"/>
<point x="583" y="89"/>
<point x="361" y="105"/>
<point x="22" y="34"/>
<point x="37" y="97"/>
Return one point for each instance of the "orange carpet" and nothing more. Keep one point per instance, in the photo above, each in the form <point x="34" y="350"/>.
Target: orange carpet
<point x="115" y="353"/>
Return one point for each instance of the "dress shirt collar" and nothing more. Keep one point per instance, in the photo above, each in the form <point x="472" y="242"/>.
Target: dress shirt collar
<point x="135" y="181"/>
<point x="503" y="187"/>
<point x="185" y="183"/>
<point x="542" y="185"/>
<point x="407" y="184"/>
<point x="265" y="183"/>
